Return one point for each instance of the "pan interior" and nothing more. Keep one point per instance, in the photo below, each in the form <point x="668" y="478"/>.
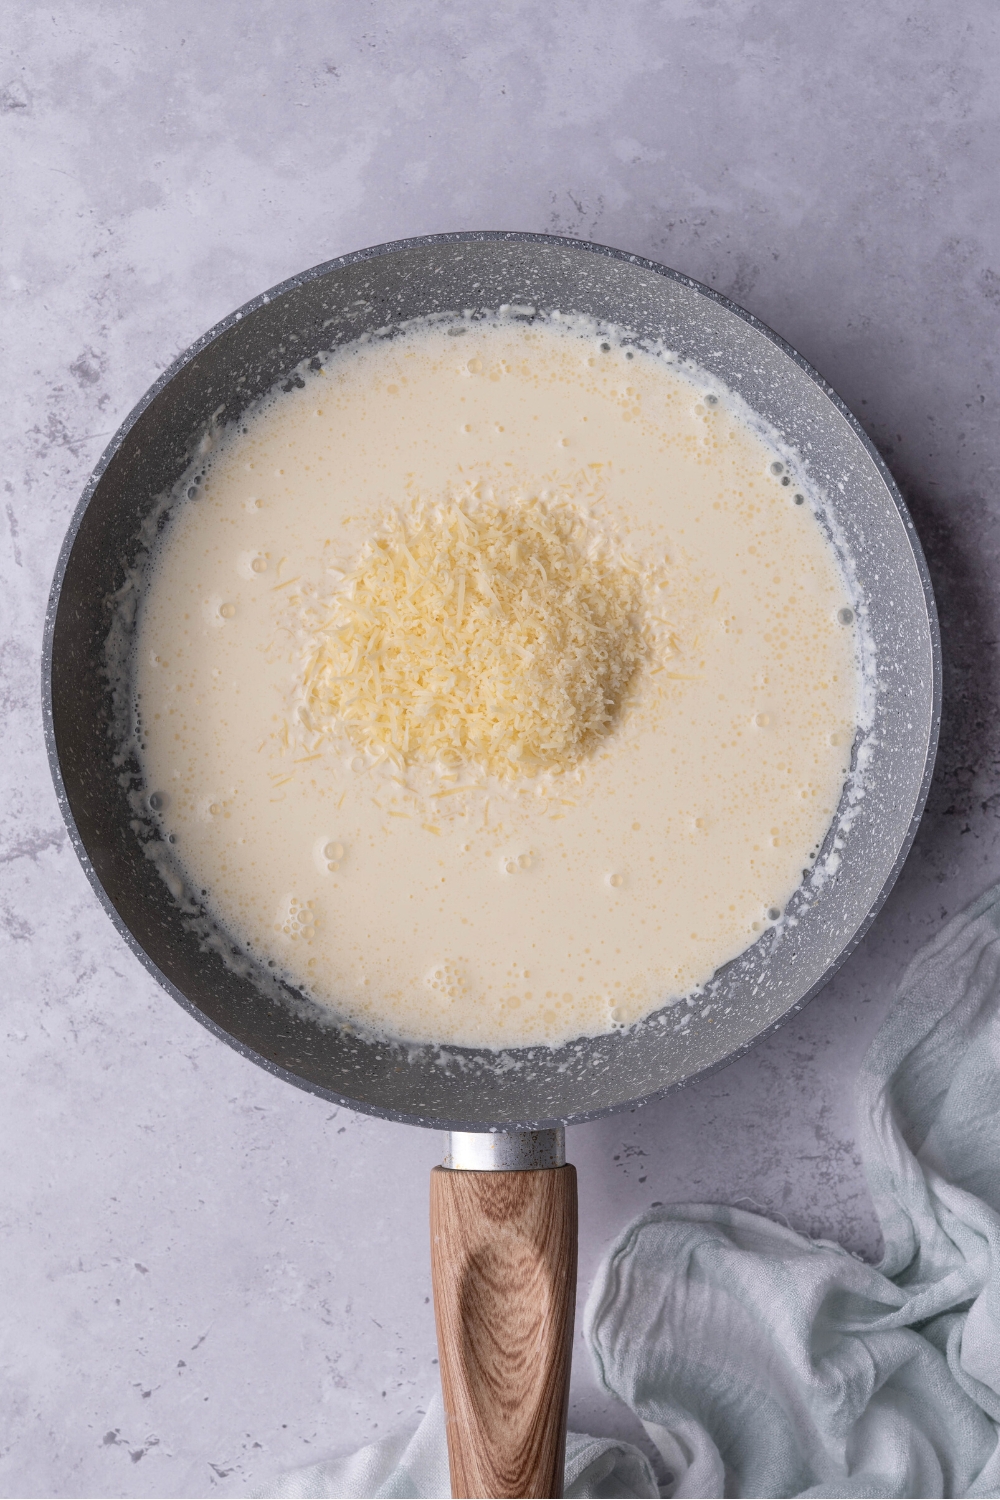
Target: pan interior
<point x="242" y="360"/>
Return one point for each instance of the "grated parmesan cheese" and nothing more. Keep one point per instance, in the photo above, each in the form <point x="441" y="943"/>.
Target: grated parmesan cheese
<point x="504" y="636"/>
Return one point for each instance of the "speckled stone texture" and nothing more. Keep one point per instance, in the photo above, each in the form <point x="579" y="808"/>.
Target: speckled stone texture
<point x="207" y="1276"/>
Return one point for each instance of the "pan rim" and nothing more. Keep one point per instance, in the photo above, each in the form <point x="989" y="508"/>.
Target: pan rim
<point x="303" y="278"/>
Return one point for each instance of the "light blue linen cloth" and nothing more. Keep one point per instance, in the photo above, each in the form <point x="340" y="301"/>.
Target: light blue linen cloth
<point x="762" y="1363"/>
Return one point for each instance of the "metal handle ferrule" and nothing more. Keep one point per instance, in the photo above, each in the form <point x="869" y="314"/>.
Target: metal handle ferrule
<point x="505" y="1150"/>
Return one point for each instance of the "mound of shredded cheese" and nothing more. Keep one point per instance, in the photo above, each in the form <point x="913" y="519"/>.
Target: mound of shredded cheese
<point x="504" y="637"/>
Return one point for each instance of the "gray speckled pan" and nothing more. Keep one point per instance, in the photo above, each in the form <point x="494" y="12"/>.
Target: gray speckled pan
<point x="240" y="360"/>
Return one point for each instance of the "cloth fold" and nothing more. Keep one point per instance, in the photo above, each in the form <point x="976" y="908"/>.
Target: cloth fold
<point x="412" y="1464"/>
<point x="763" y="1363"/>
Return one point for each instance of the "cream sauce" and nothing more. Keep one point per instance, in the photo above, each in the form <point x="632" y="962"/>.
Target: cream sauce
<point x="497" y="914"/>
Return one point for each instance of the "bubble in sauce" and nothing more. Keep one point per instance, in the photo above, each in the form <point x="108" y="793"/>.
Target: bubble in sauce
<point x="297" y="921"/>
<point x="448" y="978"/>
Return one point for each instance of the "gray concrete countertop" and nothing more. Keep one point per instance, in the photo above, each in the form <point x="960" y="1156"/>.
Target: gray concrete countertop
<point x="205" y="1275"/>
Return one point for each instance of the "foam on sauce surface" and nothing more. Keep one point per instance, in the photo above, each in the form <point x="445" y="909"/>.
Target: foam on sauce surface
<point x="464" y="899"/>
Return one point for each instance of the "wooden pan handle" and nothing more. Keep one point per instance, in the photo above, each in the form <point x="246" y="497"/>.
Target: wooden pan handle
<point x="503" y="1263"/>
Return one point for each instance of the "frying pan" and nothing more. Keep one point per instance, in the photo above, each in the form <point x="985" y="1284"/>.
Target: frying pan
<point x="503" y="1205"/>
